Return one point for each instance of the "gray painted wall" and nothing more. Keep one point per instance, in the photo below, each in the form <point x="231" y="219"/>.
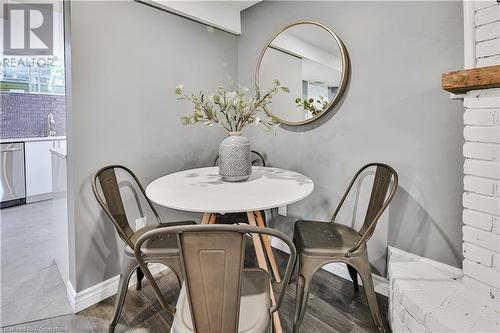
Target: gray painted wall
<point x="126" y="59"/>
<point x="394" y="111"/>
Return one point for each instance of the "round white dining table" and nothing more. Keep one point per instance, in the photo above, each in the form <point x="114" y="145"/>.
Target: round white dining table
<point x="202" y="190"/>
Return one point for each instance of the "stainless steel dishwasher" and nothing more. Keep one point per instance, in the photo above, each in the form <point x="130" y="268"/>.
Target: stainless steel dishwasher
<point x="12" y="174"/>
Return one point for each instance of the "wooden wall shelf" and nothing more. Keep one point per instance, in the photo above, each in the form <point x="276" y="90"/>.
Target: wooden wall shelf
<point x="459" y="82"/>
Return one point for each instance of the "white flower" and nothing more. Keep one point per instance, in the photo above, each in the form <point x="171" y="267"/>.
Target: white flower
<point x="178" y="89"/>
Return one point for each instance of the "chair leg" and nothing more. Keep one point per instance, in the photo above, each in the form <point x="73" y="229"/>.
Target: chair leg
<point x="354" y="276"/>
<point x="293" y="269"/>
<point x="302" y="295"/>
<point x="129" y="264"/>
<point x="140" y="276"/>
<point x="157" y="291"/>
<point x="366" y="276"/>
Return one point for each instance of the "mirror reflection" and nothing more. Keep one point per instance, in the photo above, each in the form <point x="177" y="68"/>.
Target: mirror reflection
<point x="308" y="59"/>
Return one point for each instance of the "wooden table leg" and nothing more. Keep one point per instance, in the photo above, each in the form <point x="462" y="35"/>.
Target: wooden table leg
<point x="261" y="260"/>
<point x="267" y="245"/>
<point x="206" y="218"/>
<point x="212" y="219"/>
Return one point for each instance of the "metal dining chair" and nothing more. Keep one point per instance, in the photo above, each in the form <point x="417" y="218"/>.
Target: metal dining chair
<point x="219" y="295"/>
<point x="110" y="199"/>
<point x="320" y="243"/>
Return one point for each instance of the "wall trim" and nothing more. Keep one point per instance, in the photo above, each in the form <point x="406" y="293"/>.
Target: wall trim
<point x="71" y="295"/>
<point x="38" y="197"/>
<point x="394" y="251"/>
<point x="99" y="292"/>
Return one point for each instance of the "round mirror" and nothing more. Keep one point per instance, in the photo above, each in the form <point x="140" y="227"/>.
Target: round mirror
<point x="308" y="58"/>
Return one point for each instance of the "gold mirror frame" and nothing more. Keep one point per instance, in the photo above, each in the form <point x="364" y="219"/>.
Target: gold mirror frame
<point x="344" y="78"/>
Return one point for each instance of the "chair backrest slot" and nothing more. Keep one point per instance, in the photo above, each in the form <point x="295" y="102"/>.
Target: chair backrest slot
<point x="381" y="182"/>
<point x="213" y="262"/>
<point x="112" y="202"/>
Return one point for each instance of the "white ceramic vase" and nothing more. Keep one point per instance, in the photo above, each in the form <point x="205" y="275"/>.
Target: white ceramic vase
<point x="235" y="164"/>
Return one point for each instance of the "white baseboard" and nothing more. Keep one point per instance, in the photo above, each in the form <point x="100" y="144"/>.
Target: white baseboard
<point x="395" y="254"/>
<point x="380" y="283"/>
<point x="99" y="292"/>
<point x="38" y="197"/>
<point x="71" y="295"/>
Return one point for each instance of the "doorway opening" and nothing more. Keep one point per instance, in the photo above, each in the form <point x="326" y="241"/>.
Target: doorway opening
<point x="33" y="214"/>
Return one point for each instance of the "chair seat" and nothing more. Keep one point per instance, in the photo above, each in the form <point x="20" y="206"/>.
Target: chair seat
<point x="254" y="306"/>
<point x="315" y="238"/>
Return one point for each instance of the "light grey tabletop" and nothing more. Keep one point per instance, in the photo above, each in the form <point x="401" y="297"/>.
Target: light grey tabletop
<point x="202" y="190"/>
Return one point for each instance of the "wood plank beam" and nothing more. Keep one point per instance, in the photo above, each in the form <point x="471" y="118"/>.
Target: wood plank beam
<point x="459" y="82"/>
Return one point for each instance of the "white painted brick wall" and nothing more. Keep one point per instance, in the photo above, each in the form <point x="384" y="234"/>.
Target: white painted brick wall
<point x="482" y="117"/>
<point x="482" y="168"/>
<point x="486" y="239"/>
<point x="482" y="134"/>
<point x="485" y="186"/>
<point x="413" y="325"/>
<point x="438" y="302"/>
<point x="478" y="219"/>
<point x="482" y="203"/>
<point x="427" y="296"/>
<point x="478" y="254"/>
<point x="496" y="225"/>
<point x="487" y="275"/>
<point x="481" y="199"/>
<point x="496" y="262"/>
<point x="481" y="151"/>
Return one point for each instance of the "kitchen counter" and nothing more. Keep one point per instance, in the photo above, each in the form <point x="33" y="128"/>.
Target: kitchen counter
<point x="42" y="138"/>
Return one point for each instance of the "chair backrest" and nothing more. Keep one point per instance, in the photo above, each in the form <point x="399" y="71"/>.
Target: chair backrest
<point x="212" y="258"/>
<point x="381" y="195"/>
<point x="257" y="159"/>
<point x="111" y="199"/>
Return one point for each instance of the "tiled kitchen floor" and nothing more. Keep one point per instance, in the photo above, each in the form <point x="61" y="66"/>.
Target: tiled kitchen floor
<point x="31" y="286"/>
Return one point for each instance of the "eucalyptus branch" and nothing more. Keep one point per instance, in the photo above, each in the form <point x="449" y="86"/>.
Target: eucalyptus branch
<point x="236" y="110"/>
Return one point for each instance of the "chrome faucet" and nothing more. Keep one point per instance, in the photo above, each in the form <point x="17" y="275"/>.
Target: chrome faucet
<point x="50" y="124"/>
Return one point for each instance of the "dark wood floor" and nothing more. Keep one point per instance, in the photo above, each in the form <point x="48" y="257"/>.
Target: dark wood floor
<point x="333" y="307"/>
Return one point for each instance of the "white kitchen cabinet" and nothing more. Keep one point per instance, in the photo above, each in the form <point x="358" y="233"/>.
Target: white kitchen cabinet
<point x="39" y="169"/>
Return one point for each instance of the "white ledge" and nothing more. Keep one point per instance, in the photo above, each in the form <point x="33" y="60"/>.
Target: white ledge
<point x="427" y="296"/>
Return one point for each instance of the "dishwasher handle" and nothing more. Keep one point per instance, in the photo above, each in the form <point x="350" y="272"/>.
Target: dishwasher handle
<point x="8" y="150"/>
